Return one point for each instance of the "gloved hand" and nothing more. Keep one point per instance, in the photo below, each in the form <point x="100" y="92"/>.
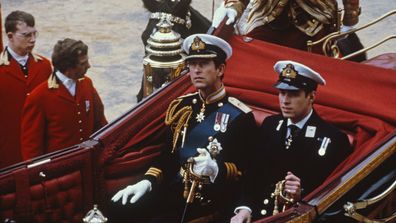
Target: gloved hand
<point x="137" y="191"/>
<point x="204" y="165"/>
<point x="346" y="28"/>
<point x="243" y="215"/>
<point x="221" y="13"/>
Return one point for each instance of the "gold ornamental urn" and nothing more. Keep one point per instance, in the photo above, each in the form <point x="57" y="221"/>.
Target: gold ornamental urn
<point x="164" y="60"/>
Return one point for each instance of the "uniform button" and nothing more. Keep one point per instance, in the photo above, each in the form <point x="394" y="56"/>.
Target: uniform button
<point x="265" y="201"/>
<point x="78" y="113"/>
<point x="79" y="121"/>
<point x="263" y="212"/>
<point x="27" y="94"/>
<point x="81" y="139"/>
<point x="78" y="104"/>
<point x="81" y="130"/>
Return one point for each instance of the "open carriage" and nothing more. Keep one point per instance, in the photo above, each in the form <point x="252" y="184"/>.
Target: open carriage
<point x="63" y="186"/>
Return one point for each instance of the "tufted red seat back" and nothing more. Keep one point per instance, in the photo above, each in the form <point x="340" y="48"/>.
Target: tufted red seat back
<point x="56" y="191"/>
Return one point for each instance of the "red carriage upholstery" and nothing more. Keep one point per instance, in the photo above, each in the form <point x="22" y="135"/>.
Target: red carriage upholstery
<point x="355" y="99"/>
<point x="57" y="191"/>
<point x="386" y="60"/>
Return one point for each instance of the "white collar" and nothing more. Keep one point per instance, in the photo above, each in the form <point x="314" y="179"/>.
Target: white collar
<point x="69" y="83"/>
<point x="302" y="122"/>
<point x="20" y="59"/>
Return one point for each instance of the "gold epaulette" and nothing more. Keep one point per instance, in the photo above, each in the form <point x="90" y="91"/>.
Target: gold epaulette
<point x="237" y="103"/>
<point x="155" y="172"/>
<point x="4" y="58"/>
<point x="232" y="171"/>
<point x="188" y="95"/>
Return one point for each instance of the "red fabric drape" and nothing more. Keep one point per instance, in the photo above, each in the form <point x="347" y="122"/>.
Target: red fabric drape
<point x="357" y="98"/>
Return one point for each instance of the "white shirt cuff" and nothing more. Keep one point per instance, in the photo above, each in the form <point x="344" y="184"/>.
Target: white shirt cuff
<point x="237" y="209"/>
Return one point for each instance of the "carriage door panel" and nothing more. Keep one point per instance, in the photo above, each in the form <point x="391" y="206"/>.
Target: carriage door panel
<point x="58" y="190"/>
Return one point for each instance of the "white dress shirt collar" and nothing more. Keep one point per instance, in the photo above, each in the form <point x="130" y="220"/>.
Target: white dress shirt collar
<point x="69" y="83"/>
<point x="22" y="60"/>
<point x="302" y="122"/>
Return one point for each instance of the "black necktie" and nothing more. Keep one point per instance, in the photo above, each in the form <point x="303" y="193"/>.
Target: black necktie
<point x="293" y="133"/>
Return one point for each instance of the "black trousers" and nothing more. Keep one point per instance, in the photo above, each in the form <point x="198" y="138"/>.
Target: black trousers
<point x="166" y="205"/>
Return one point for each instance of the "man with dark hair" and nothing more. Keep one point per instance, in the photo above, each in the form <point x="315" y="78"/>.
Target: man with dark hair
<point x="293" y="143"/>
<point x="21" y="71"/>
<point x="209" y="130"/>
<point x="66" y="109"/>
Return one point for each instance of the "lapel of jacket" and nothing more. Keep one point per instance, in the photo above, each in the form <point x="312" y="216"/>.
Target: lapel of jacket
<point x="282" y="131"/>
<point x="80" y="91"/>
<point x="34" y="67"/>
<point x="312" y="122"/>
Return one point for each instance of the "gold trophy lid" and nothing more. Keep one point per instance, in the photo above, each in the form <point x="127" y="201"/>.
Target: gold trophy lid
<point x="164" y="42"/>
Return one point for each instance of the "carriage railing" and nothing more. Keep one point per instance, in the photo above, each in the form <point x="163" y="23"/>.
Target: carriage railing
<point x="351" y="208"/>
<point x="368" y="48"/>
<point x="330" y="48"/>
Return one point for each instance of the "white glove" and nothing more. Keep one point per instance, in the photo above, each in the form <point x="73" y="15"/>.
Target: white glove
<point x="346" y="28"/>
<point x="204" y="165"/>
<point x="137" y="191"/>
<point x="221" y="13"/>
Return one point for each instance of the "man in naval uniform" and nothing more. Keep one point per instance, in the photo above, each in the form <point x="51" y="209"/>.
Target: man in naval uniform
<point x="294" y="142"/>
<point x="200" y="122"/>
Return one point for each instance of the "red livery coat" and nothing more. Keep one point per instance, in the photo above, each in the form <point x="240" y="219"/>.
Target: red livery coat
<point x="14" y="87"/>
<point x="53" y="119"/>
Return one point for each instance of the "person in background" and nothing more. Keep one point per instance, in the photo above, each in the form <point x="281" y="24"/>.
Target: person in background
<point x="65" y="110"/>
<point x="293" y="143"/>
<point x="289" y="23"/>
<point x="21" y="71"/>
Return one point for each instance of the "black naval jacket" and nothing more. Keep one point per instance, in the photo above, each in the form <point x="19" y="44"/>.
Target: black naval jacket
<point x="302" y="158"/>
<point x="226" y="119"/>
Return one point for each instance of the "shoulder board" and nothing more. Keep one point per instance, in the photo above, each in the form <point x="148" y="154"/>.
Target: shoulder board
<point x="237" y="103"/>
<point x="4" y="58"/>
<point x="188" y="95"/>
<point x="36" y="57"/>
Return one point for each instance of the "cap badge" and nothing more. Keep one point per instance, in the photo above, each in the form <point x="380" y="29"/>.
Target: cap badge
<point x="197" y="44"/>
<point x="289" y="71"/>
